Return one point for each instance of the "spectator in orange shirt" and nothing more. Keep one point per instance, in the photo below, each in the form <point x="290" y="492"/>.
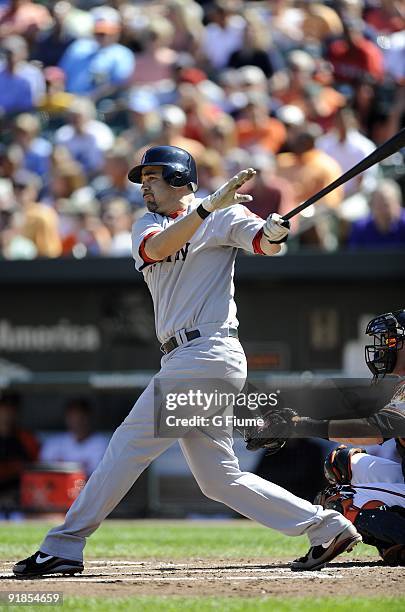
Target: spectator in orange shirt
<point x="308" y="169"/>
<point x="256" y="130"/>
<point x="40" y="223"/>
<point x="17" y="449"/>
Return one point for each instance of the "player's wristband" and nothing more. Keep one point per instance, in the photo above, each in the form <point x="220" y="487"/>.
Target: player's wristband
<point x="202" y="212"/>
<point x="277" y="241"/>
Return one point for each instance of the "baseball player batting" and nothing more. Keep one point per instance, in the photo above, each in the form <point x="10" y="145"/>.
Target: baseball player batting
<point x="367" y="483"/>
<point x="186" y="250"/>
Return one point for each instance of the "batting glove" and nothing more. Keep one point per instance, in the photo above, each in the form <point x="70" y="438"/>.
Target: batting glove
<point x="226" y="195"/>
<point x="276" y="229"/>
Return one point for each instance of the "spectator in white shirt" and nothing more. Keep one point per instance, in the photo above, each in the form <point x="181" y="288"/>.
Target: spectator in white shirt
<point x="222" y="36"/>
<point x="348" y="146"/>
<point x="394" y="56"/>
<point x="78" y="443"/>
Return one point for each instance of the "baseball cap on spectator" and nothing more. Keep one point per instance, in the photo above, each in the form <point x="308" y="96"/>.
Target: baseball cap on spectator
<point x="142" y="101"/>
<point x="290" y="115"/>
<point x="251" y="75"/>
<point x="106" y="20"/>
<point x="173" y="115"/>
<point x="300" y="60"/>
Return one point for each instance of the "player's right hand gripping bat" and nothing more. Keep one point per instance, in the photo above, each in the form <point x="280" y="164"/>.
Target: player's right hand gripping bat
<point x="389" y="147"/>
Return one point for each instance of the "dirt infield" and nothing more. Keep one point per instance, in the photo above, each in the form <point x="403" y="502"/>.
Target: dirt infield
<point x="218" y="577"/>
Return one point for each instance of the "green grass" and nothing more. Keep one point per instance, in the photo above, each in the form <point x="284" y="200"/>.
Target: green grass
<point x="186" y="540"/>
<point x="229" y="604"/>
<point x="159" y="540"/>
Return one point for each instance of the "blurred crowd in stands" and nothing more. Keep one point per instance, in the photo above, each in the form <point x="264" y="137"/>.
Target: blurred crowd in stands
<point x="300" y="90"/>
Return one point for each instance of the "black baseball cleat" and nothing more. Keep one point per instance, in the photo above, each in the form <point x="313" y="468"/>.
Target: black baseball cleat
<point x="41" y="564"/>
<point x="318" y="556"/>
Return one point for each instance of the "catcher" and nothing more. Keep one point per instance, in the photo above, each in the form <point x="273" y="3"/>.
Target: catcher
<point x="366" y="484"/>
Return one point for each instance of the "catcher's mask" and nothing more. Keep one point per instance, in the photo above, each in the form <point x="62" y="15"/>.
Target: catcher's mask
<point x="388" y="333"/>
<point x="179" y="167"/>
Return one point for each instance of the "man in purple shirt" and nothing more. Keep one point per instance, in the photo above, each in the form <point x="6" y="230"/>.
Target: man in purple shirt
<point x="385" y="225"/>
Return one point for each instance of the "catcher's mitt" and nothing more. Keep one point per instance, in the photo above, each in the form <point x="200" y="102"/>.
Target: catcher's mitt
<point x="277" y="427"/>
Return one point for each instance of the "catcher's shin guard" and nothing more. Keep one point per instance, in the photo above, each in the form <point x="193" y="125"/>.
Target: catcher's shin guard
<point x="379" y="525"/>
<point x="337" y="466"/>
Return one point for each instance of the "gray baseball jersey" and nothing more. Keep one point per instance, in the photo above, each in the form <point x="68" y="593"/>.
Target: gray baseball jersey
<point x="203" y="267"/>
<point x="191" y="288"/>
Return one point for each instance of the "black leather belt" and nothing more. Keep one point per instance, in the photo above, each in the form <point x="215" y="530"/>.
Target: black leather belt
<point x="172" y="343"/>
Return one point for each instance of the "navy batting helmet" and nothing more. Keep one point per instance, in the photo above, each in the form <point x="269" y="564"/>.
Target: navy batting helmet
<point x="388" y="333"/>
<point x="179" y="167"/>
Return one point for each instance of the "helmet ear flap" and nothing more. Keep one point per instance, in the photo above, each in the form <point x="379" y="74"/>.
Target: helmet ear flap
<point x="175" y="178"/>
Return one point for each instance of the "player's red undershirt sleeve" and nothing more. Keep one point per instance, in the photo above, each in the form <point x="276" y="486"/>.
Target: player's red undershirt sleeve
<point x="257" y="249"/>
<point x="142" y="252"/>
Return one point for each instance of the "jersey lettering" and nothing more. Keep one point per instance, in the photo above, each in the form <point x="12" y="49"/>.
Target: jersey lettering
<point x="181" y="253"/>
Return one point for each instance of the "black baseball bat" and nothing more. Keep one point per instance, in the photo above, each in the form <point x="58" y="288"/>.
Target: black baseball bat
<point x="389" y="147"/>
